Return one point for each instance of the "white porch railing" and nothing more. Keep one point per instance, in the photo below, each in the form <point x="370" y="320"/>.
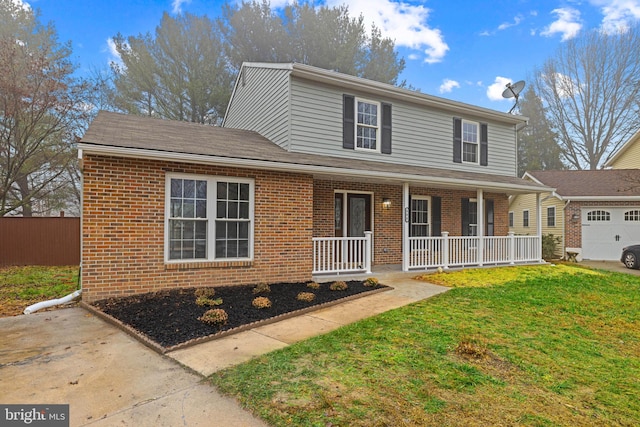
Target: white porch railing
<point x="342" y="254"/>
<point x="461" y="251"/>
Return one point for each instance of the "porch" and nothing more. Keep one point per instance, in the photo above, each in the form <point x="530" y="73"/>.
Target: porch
<point x="353" y="255"/>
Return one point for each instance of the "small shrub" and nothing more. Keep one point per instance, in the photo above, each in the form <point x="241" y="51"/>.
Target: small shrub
<point x="471" y="350"/>
<point x="205" y="292"/>
<point x="338" y="286"/>
<point x="215" y="316"/>
<point x="549" y="245"/>
<point x="313" y="285"/>
<point x="372" y="282"/>
<point x="261" y="302"/>
<point x="306" y="296"/>
<point x="262" y="288"/>
<point x="202" y="301"/>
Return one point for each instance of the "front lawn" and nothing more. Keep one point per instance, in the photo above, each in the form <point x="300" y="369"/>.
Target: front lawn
<point x="532" y="346"/>
<point x="22" y="286"/>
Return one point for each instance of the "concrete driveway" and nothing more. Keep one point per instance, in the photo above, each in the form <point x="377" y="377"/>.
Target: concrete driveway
<point x="69" y="356"/>
<point x="616" y="266"/>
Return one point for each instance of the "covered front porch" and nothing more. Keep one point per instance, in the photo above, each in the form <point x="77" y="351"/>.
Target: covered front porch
<point x="428" y="228"/>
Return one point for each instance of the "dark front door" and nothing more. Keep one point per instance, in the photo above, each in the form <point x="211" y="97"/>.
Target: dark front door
<point x="352" y="214"/>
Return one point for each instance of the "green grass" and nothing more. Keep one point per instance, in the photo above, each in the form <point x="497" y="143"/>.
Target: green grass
<point x="23" y="286"/>
<point x="531" y="346"/>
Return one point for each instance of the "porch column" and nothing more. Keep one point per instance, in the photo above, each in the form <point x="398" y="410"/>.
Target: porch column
<point x="480" y="207"/>
<point x="539" y="226"/>
<point x="406" y="249"/>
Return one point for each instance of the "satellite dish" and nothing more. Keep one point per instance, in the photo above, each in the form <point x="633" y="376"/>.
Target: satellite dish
<point x="513" y="91"/>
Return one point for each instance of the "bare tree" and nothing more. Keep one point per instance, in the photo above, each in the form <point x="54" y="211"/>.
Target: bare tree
<point x="42" y="110"/>
<point x="591" y="93"/>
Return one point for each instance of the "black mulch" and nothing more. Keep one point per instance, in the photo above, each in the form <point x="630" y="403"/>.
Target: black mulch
<point x="170" y="317"/>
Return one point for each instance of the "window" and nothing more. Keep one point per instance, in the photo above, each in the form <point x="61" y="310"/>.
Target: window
<point x="511" y="219"/>
<point x="525" y="218"/>
<point x="598" y="216"/>
<point x="367" y="125"/>
<point x="551" y="216"/>
<point x="470" y="217"/>
<point x="632" y="216"/>
<point x="209" y="218"/>
<point x="420" y="216"/>
<point x="469" y="142"/>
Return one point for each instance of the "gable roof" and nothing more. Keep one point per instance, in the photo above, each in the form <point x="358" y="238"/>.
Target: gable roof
<point x="123" y="135"/>
<point x="604" y="184"/>
<point x="349" y="82"/>
<point x="618" y="154"/>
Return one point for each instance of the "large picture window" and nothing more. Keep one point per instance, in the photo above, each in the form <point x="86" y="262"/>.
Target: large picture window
<point x="208" y="218"/>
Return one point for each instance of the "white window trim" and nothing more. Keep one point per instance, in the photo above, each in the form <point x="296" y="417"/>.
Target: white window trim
<point x="555" y="222"/>
<point x="429" y="223"/>
<point x="477" y="143"/>
<point x="528" y="218"/>
<point x="212" y="180"/>
<point x="378" y="127"/>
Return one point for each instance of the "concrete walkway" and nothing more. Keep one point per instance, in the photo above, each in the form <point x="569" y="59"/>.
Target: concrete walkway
<point x="69" y="356"/>
<point x="212" y="356"/>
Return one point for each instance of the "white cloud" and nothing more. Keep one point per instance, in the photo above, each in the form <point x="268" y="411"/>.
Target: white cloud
<point x="114" y="56"/>
<point x="448" y="85"/>
<point x="568" y="23"/>
<point x="565" y="86"/>
<point x="618" y="14"/>
<point x="22" y="4"/>
<point x="403" y="22"/>
<point x="176" y="6"/>
<point x="494" y="91"/>
<point x="516" y="21"/>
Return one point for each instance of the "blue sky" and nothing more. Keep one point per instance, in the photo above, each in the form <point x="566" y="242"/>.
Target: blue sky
<point x="462" y="50"/>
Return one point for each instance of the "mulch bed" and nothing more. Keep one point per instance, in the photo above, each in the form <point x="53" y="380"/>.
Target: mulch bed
<point x="169" y="318"/>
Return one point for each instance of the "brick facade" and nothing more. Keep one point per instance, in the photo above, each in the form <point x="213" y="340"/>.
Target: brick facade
<point x="123" y="229"/>
<point x="124" y="221"/>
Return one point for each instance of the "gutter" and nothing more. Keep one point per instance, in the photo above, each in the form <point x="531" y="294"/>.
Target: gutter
<point x="53" y="302"/>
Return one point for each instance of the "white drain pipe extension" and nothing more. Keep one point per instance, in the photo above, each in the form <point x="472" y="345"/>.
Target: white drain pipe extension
<point x="44" y="304"/>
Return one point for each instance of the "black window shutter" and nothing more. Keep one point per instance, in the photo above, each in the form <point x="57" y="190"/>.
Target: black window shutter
<point x="484" y="145"/>
<point x="436" y="216"/>
<point x="385" y="148"/>
<point x="348" y="122"/>
<point x="465" y="217"/>
<point x="457" y="140"/>
<point x="489" y="217"/>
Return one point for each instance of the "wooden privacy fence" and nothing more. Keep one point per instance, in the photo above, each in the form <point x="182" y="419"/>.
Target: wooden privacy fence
<point x="39" y="241"/>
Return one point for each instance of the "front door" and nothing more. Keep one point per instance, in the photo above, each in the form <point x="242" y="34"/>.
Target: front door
<point x="352" y="214"/>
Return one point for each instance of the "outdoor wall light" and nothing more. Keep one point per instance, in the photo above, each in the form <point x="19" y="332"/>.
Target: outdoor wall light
<point x="575" y="217"/>
<point x="386" y="202"/>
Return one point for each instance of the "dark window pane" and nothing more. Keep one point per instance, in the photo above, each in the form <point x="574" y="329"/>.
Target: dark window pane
<point x="189" y="230"/>
<point x="221" y="248"/>
<point x="243" y="248"/>
<point x="243" y="230"/>
<point x="188" y="209"/>
<point x="244" y="192"/>
<point x="233" y="210"/>
<point x="244" y="210"/>
<point x="221" y="210"/>
<point x="222" y="190"/>
<point x="175" y="230"/>
<point x="201" y="208"/>
<point x="174" y="251"/>
<point x="201" y="230"/>
<point x="233" y="191"/>
<point x="201" y="249"/>
<point x="232" y="249"/>
<point x="176" y="188"/>
<point x="176" y="208"/>
<point x="201" y="190"/>
<point x="232" y="230"/>
<point x="189" y="188"/>
<point x="221" y="230"/>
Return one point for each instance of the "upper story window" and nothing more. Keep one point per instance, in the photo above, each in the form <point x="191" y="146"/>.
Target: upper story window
<point x="469" y="142"/>
<point x="208" y="218"/>
<point x="367" y="125"/>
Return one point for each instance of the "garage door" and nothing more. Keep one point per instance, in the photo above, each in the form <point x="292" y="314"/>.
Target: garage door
<point x="605" y="231"/>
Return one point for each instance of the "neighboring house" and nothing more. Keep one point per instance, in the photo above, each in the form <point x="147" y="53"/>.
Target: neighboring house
<point x="628" y="156"/>
<point x="595" y="212"/>
<point x="313" y="172"/>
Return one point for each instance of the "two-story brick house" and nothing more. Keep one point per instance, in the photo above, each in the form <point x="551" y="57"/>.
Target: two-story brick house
<point x="313" y="172"/>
